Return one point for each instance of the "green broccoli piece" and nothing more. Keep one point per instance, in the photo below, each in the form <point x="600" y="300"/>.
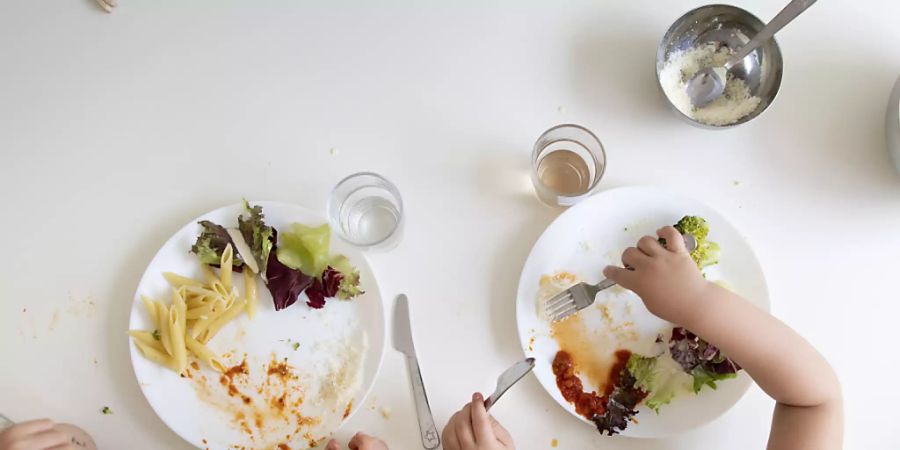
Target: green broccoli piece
<point x="706" y="253"/>
<point x="694" y="225"/>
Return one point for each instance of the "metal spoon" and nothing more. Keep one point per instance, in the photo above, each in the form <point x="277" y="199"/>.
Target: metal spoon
<point x="708" y="84"/>
<point x="508" y="378"/>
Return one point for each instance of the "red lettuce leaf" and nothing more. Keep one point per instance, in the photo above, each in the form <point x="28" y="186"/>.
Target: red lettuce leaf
<point x="326" y="286"/>
<point x="285" y="284"/>
<point x="620" y="404"/>
<point x="702" y="360"/>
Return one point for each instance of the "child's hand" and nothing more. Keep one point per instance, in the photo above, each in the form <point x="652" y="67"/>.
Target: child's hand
<point x="472" y="428"/>
<point x="360" y="441"/>
<point x="34" y="435"/>
<point x="665" y="278"/>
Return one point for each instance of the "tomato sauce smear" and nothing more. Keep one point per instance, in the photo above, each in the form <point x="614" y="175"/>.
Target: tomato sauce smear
<point x="587" y="404"/>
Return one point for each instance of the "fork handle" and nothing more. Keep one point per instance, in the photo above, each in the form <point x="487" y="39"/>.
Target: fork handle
<point x="607" y="283"/>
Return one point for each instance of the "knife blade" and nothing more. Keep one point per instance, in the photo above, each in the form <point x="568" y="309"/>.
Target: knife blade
<point x="508" y="378"/>
<point x="403" y="343"/>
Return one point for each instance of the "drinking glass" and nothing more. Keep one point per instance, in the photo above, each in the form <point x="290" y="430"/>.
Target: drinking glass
<point x="366" y="211"/>
<point x="567" y="164"/>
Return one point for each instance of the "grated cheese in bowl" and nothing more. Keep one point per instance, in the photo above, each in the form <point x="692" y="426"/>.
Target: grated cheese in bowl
<point x="734" y="104"/>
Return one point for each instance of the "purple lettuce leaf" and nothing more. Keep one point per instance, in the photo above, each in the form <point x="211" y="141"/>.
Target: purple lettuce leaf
<point x="285" y="284"/>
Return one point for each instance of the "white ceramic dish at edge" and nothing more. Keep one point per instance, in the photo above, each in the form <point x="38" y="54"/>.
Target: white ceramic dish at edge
<point x="593" y="234"/>
<point x="892" y="125"/>
<point x="174" y="399"/>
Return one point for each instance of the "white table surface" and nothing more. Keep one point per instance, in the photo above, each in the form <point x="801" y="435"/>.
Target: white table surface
<point x="115" y="130"/>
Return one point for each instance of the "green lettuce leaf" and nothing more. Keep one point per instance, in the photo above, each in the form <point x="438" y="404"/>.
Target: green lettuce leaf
<point x="257" y="234"/>
<point x="211" y="243"/>
<point x="661" y="380"/>
<point x="304" y="248"/>
<point x="703" y="377"/>
<point x="349" y="287"/>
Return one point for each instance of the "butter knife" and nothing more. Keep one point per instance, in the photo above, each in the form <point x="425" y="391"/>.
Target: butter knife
<point x="403" y="343"/>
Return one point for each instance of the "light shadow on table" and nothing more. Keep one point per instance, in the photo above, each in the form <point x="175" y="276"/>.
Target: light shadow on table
<point x="131" y="401"/>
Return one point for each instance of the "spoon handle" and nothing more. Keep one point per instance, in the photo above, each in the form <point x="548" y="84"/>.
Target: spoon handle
<point x="789" y="13"/>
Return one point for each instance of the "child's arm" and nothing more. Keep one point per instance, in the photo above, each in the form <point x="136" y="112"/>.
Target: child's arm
<point x="808" y="413"/>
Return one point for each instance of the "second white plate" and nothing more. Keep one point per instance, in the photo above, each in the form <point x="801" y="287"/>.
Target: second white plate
<point x="590" y="236"/>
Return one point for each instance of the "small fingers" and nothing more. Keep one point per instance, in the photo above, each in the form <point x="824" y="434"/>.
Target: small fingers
<point x="464" y="432"/>
<point x="481" y="422"/>
<point x="47" y="439"/>
<point x="650" y="246"/>
<point x="502" y="435"/>
<point x="632" y="257"/>
<point x="362" y="441"/>
<point x="448" y="437"/>
<point x="623" y="277"/>
<point x="674" y="241"/>
<point x="30" y="427"/>
<point x="333" y="445"/>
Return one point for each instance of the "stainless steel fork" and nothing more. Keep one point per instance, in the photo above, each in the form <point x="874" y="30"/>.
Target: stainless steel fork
<point x="582" y="295"/>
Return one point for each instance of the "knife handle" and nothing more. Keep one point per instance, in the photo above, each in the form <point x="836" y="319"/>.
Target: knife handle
<point x="431" y="439"/>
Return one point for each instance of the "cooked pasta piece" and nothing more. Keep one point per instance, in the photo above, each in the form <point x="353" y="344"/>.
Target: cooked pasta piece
<point x="177" y="281"/>
<point x="204" y="354"/>
<point x="250" y="293"/>
<point x="225" y="267"/>
<point x="155" y="355"/>
<point x="236" y="308"/>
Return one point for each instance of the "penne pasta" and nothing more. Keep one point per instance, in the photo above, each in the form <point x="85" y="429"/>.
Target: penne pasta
<point x="147" y="338"/>
<point x="216" y="308"/>
<point x="162" y="313"/>
<point x="250" y="293"/>
<point x="198" y="311"/>
<point x="223" y="319"/>
<point x="150" y="306"/>
<point x="155" y="355"/>
<point x="176" y="337"/>
<point x="177" y="281"/>
<point x="225" y="267"/>
<point x="204" y="354"/>
<point x="208" y="274"/>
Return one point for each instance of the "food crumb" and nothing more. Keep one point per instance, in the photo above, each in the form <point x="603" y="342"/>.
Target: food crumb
<point x="24" y="309"/>
<point x="736" y="182"/>
<point x="554" y="442"/>
<point x="531" y="344"/>
<point x="106" y="410"/>
<point x="385" y="412"/>
<point x="296" y="346"/>
<point x="333" y="151"/>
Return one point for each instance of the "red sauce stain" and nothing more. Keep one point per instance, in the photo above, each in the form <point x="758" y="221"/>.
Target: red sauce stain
<point x="283" y="447"/>
<point x="615" y="372"/>
<point x="587" y="404"/>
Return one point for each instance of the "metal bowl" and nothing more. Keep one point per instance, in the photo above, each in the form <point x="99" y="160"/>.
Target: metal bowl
<point x="726" y="26"/>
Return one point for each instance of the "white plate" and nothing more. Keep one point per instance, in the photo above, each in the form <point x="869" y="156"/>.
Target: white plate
<point x="206" y="416"/>
<point x="593" y="234"/>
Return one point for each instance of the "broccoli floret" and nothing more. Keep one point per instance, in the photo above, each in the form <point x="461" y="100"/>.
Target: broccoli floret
<point x="706" y="253"/>
<point x="694" y="225"/>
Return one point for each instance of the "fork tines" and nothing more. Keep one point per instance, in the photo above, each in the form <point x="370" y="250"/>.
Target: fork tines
<point x="560" y="306"/>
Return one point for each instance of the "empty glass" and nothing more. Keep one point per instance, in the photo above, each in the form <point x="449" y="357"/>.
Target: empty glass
<point x="366" y="211"/>
<point x="567" y="164"/>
